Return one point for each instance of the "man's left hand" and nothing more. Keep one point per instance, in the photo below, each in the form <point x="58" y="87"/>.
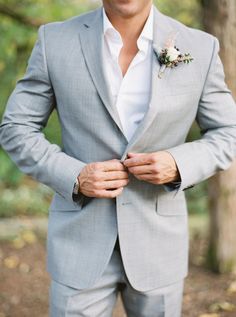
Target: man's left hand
<point x="156" y="168"/>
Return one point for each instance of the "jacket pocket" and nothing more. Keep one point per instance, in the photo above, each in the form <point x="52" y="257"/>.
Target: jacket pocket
<point x="59" y="203"/>
<point x="167" y="204"/>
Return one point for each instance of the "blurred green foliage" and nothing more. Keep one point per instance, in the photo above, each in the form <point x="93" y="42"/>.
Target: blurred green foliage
<point x="186" y="11"/>
<point x="19" y="194"/>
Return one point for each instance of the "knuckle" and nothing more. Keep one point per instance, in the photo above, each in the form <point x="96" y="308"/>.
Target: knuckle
<point x="121" y="183"/>
<point x="109" y="184"/>
<point x="94" y="177"/>
<point x="155" y="168"/>
<point x="95" y="192"/>
<point x="115" y="183"/>
<point x="153" y="159"/>
<point x="95" y="165"/>
<point x="114" y="194"/>
<point x="98" y="194"/>
<point x="96" y="185"/>
<point x="131" y="169"/>
<point x="111" y="194"/>
<point x="158" y="179"/>
<point x="115" y="160"/>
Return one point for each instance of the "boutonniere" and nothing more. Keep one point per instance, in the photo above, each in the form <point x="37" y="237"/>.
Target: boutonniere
<point x="170" y="56"/>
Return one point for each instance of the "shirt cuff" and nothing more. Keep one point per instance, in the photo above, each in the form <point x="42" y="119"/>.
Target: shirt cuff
<point x="169" y="187"/>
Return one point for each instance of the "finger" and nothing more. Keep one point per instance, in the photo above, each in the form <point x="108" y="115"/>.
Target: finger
<point x="106" y="176"/>
<point x="146" y="177"/>
<point x="138" y="160"/>
<point x="112" y="184"/>
<point x="109" y="193"/>
<point x="130" y="154"/>
<point x="143" y="169"/>
<point x="112" y="165"/>
<point x="153" y="179"/>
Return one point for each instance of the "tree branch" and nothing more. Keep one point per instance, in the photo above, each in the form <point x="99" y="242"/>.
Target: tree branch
<point x="9" y="12"/>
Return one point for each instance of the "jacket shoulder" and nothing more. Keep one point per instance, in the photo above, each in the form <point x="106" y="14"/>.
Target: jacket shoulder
<point x="193" y="36"/>
<point x="70" y="25"/>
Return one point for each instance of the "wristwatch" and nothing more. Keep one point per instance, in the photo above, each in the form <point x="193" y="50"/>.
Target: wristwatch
<point x="76" y="187"/>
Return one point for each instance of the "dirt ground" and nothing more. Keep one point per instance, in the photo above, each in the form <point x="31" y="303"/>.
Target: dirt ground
<point x="24" y="283"/>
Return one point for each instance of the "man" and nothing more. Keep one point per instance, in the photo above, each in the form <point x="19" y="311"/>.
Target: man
<point x="124" y="164"/>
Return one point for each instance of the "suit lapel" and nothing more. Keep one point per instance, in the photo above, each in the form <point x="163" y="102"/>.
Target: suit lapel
<point x="161" y="32"/>
<point x="91" y="38"/>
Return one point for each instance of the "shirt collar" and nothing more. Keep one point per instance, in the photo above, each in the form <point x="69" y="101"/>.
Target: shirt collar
<point x="147" y="32"/>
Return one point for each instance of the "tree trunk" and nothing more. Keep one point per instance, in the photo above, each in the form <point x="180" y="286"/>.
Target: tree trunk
<point x="220" y="20"/>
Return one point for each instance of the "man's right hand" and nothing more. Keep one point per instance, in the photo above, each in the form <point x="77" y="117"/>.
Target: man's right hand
<point x="103" y="179"/>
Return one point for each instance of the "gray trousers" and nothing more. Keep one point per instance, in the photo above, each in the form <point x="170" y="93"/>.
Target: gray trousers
<point x="99" y="301"/>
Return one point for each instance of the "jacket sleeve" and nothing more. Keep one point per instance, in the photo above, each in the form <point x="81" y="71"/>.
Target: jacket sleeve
<point x="216" y="117"/>
<point x="27" y="112"/>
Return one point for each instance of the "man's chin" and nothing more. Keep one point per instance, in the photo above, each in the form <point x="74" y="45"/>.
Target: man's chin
<point x="126" y="8"/>
<point x="127" y="11"/>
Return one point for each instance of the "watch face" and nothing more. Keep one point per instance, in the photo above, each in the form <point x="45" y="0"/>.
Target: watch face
<point x="76" y="188"/>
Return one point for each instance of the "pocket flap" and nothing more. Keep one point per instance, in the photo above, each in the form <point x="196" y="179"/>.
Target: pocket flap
<point x="167" y="204"/>
<point x="60" y="203"/>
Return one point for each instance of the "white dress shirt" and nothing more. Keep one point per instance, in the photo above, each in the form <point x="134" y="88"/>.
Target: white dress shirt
<point x="131" y="93"/>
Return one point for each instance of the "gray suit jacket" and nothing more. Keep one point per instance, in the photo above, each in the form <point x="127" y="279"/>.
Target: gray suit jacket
<point x="65" y="72"/>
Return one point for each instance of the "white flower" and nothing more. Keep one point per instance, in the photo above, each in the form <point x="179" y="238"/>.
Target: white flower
<point x="170" y="57"/>
<point x="172" y="53"/>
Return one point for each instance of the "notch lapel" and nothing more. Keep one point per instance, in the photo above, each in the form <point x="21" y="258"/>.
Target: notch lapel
<point x="162" y="29"/>
<point x="91" y="38"/>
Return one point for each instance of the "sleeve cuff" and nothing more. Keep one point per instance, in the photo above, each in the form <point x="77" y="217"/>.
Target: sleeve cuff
<point x="172" y="186"/>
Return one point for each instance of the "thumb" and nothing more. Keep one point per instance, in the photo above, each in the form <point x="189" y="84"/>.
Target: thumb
<point x="130" y="154"/>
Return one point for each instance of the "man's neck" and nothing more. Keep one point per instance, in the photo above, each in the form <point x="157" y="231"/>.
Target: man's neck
<point x="129" y="27"/>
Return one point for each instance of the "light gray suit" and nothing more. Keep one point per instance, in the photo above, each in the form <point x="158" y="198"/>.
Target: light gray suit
<point x="65" y="72"/>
